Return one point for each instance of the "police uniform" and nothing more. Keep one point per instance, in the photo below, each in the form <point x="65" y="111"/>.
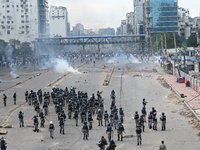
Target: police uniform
<point x="136" y="117"/>
<point x="120" y="131"/>
<point x="138" y="134"/>
<point x="102" y="143"/>
<point x="61" y="124"/>
<point x="163" y="121"/>
<point x="21" y="119"/>
<point x="51" y="129"/>
<point x="106" y="120"/>
<point x="85" y="131"/>
<point x="109" y="131"/>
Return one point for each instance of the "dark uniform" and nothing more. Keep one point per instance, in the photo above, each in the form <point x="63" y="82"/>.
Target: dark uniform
<point x="163" y="121"/>
<point x="21" y="119"/>
<point x="120" y="131"/>
<point x="85" y="131"/>
<point x="62" y="124"/>
<point x="138" y="134"/>
<point x="4" y="99"/>
<point x="102" y="143"/>
<point x="109" y="131"/>
<point x="136" y="117"/>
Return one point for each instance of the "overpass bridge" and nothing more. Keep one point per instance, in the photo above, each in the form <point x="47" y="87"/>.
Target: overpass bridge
<point x="91" y="40"/>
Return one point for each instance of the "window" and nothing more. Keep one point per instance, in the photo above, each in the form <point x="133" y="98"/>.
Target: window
<point x="12" y="21"/>
<point x="22" y="32"/>
<point x="27" y="32"/>
<point x="22" y="27"/>
<point x="27" y="21"/>
<point x="4" y="17"/>
<point x="7" y="6"/>
<point x="22" y="16"/>
<point x="8" y="11"/>
<point x="17" y="5"/>
<point x="26" y="5"/>
<point x="3" y="6"/>
<point x="8" y="32"/>
<point x="26" y="16"/>
<point x="2" y="22"/>
<point x="26" y="10"/>
<point x="27" y="26"/>
<point x="22" y="10"/>
<point x="8" y="27"/>
<point x="21" y="5"/>
<point x="8" y="22"/>
<point x="3" y="27"/>
<point x="13" y="6"/>
<point x="7" y="0"/>
<point x="22" y="21"/>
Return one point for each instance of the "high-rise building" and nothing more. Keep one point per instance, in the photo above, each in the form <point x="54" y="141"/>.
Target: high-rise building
<point x="58" y="21"/>
<point x="130" y="18"/>
<point x="106" y="31"/>
<point x="138" y="15"/>
<point x="160" y="16"/>
<point x="23" y="20"/>
<point x="78" y="29"/>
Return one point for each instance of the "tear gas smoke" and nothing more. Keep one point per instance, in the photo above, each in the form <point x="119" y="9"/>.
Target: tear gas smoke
<point x="9" y="53"/>
<point x="133" y="59"/>
<point x="156" y="59"/>
<point x="62" y="66"/>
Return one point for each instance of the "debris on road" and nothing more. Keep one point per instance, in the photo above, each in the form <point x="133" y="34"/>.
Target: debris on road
<point x="129" y="136"/>
<point x="104" y="67"/>
<point x="77" y="81"/>
<point x="3" y="132"/>
<point x="4" y="125"/>
<point x="84" y="72"/>
<point x="197" y="126"/>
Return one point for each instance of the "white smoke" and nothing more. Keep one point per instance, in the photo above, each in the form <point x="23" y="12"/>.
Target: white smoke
<point x="156" y="59"/>
<point x="9" y="53"/>
<point x="62" y="66"/>
<point x="133" y="59"/>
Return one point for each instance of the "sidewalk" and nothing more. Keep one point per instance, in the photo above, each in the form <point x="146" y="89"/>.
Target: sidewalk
<point x="193" y="98"/>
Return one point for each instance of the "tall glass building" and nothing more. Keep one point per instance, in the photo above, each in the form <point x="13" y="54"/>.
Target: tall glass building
<point x="160" y="16"/>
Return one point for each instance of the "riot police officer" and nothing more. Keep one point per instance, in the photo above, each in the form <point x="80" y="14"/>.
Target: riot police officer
<point x="3" y="144"/>
<point x="163" y="121"/>
<point x="45" y="107"/>
<point x="63" y="114"/>
<point x="144" y="102"/>
<point x="4" y="99"/>
<point x="21" y="119"/>
<point x="51" y="129"/>
<point x="116" y="120"/>
<point x="42" y="118"/>
<point x="26" y="96"/>
<point x="141" y="122"/>
<point x="136" y="117"/>
<point x="102" y="143"/>
<point x="90" y="120"/>
<point x="106" y="120"/>
<point x="112" y="145"/>
<point x="76" y="117"/>
<point x="37" y="109"/>
<point x="144" y="113"/>
<point x="14" y="98"/>
<point x="99" y="117"/>
<point x="150" y="120"/>
<point x="120" y="131"/>
<point x="109" y="131"/>
<point x="138" y="134"/>
<point x="154" y="121"/>
<point x="85" y="131"/>
<point x="35" y="122"/>
<point x="121" y="113"/>
<point x="62" y="124"/>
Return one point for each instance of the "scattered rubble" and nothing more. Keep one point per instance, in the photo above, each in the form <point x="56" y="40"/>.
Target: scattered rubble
<point x="84" y="71"/>
<point x="104" y="67"/>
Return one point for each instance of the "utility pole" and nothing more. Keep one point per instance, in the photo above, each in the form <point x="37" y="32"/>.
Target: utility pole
<point x="162" y="43"/>
<point x="197" y="58"/>
<point x="157" y="42"/>
<point x="175" y="47"/>
<point x="165" y="44"/>
<point x="151" y="46"/>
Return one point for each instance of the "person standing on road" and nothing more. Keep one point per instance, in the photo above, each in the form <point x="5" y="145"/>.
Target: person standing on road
<point x="106" y="120"/>
<point x="4" y="99"/>
<point x="109" y="131"/>
<point x="141" y="122"/>
<point x="99" y="117"/>
<point x="21" y="119"/>
<point x="144" y="103"/>
<point x="26" y="96"/>
<point x="163" y="121"/>
<point x="62" y="124"/>
<point x="14" y="98"/>
<point x="76" y="117"/>
<point x="85" y="131"/>
<point x="162" y="146"/>
<point x="35" y="122"/>
<point x="136" y="117"/>
<point x="154" y="121"/>
<point x="51" y="129"/>
<point x="138" y="134"/>
<point x="102" y="143"/>
<point x="112" y="145"/>
<point x="3" y="144"/>
<point x="120" y="131"/>
<point x="150" y="120"/>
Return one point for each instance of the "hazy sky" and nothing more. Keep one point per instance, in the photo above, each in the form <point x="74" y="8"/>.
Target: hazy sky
<point x="95" y="14"/>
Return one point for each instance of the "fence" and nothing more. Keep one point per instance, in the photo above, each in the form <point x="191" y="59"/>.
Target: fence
<point x="194" y="83"/>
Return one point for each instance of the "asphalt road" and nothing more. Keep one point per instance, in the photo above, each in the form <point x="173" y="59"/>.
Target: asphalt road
<point x="179" y="135"/>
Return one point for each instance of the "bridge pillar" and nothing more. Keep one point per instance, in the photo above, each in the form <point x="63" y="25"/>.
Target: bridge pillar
<point x="98" y="48"/>
<point x="83" y="47"/>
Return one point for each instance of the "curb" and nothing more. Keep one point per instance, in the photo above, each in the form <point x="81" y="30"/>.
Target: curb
<point x="195" y="114"/>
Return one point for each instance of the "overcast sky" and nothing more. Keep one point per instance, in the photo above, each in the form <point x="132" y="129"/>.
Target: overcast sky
<point x="95" y="14"/>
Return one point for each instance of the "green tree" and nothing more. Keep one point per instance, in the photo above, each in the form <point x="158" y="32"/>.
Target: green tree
<point x="16" y="46"/>
<point x="26" y="49"/>
<point x="3" y="46"/>
<point x="192" y="39"/>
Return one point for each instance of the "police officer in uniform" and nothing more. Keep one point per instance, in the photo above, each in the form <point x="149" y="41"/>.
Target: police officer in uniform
<point x="109" y="131"/>
<point x="106" y="120"/>
<point x="14" y="98"/>
<point x="116" y="120"/>
<point x="21" y="119"/>
<point x="62" y="124"/>
<point x="120" y="131"/>
<point x="121" y="113"/>
<point x="99" y="117"/>
<point x="26" y="96"/>
<point x="144" y="113"/>
<point x="37" y="109"/>
<point x="76" y="117"/>
<point x="136" y="117"/>
<point x="150" y="120"/>
<point x="4" y="99"/>
<point x="36" y="122"/>
<point x="42" y="118"/>
<point x="51" y="129"/>
<point x="45" y="107"/>
<point x="102" y="143"/>
<point x="141" y="122"/>
<point x="112" y="145"/>
<point x="90" y="120"/>
<point x="85" y="131"/>
<point x="138" y="134"/>
<point x="163" y="121"/>
<point x="154" y="121"/>
<point x="3" y="144"/>
<point x="144" y="102"/>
